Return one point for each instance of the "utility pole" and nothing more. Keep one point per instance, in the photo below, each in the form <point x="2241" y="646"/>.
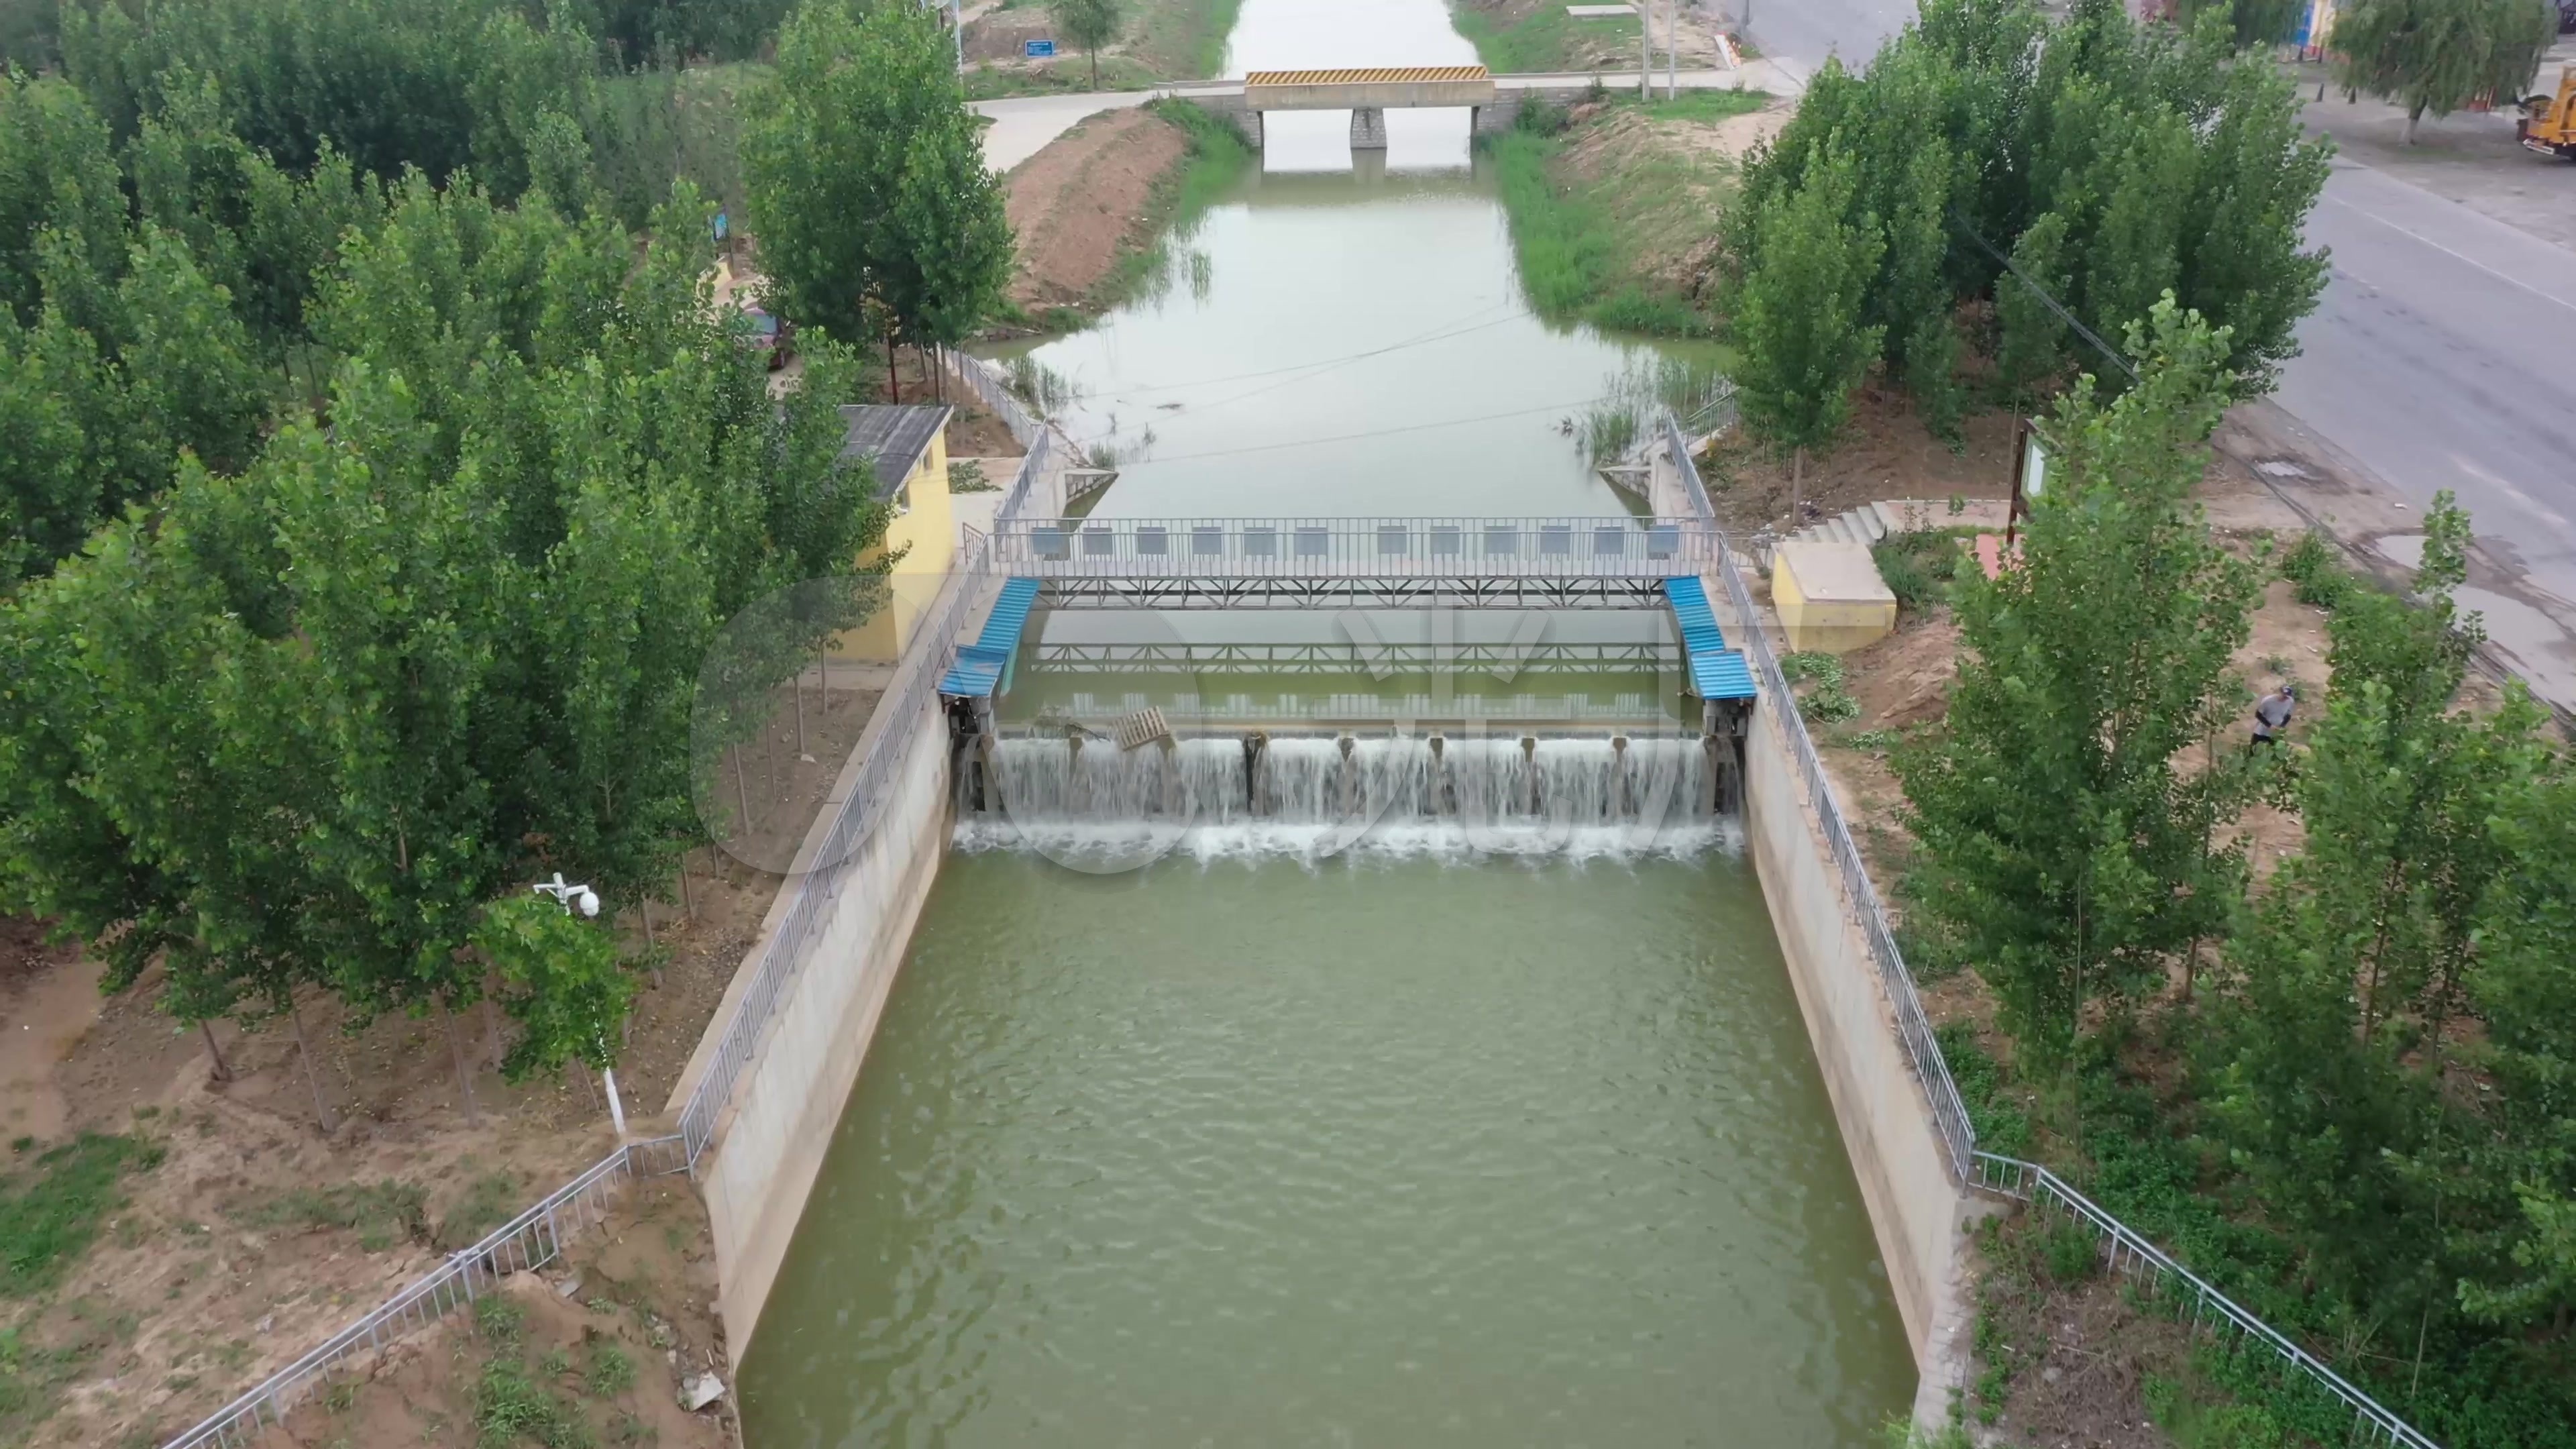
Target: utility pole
<point x="1645" y="50"/>
<point x="1672" y="49"/>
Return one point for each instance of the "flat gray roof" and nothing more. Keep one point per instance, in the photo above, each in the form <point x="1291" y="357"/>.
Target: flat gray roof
<point x="896" y="436"/>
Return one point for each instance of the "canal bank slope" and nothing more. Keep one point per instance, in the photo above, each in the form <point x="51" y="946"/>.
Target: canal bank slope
<point x="1091" y="208"/>
<point x="1615" y="203"/>
<point x="1918" y="1212"/>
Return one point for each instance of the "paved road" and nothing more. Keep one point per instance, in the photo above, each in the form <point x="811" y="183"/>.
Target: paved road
<point x="2442" y="355"/>
<point x="1806" y="31"/>
<point x="1023" y="125"/>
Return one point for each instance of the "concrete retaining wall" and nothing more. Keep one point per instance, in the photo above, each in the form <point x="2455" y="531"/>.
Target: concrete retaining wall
<point x="1916" y="1211"/>
<point x="765" y="1156"/>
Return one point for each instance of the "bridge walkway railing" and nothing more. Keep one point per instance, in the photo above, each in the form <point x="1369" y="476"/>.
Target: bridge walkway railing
<point x="1611" y="547"/>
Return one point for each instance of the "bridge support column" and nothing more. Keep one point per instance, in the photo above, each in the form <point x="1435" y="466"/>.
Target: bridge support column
<point x="1495" y="118"/>
<point x="1368" y="128"/>
<point x="1248" y="121"/>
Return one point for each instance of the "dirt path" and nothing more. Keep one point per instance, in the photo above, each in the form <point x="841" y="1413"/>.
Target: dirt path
<point x="1085" y="200"/>
<point x="244" y="1234"/>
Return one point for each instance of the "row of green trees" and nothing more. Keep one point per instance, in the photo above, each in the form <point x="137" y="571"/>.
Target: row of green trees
<point x="513" y="93"/>
<point x="2436" y="56"/>
<point x="156" y="301"/>
<point x="2112" y="160"/>
<point x="2377" y="1045"/>
<point x="380" y="539"/>
<point x="876" y="216"/>
<point x="302" y="724"/>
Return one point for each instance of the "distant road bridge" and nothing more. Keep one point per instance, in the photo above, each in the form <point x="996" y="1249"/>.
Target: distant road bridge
<point x="1024" y="124"/>
<point x="1368" y="93"/>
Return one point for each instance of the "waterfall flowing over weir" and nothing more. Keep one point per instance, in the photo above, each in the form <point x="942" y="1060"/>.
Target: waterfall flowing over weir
<point x="1312" y="797"/>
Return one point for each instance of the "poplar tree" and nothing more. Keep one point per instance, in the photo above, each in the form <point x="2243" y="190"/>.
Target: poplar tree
<point x="2063" y="845"/>
<point x="2520" y="1271"/>
<point x="1797" y="314"/>
<point x="299" y="728"/>
<point x="2334" y="1043"/>
<point x="2435" y="56"/>
<point x="2030" y="352"/>
<point x="876" y="217"/>
<point x="1090" y="24"/>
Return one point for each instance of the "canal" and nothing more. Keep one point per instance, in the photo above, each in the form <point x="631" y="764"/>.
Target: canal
<point x="1425" y="1131"/>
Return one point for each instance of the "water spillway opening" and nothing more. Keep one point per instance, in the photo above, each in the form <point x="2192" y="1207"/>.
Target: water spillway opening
<point x="1307" y="796"/>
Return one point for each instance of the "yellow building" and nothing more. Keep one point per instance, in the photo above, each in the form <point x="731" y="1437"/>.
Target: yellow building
<point x="1829" y="595"/>
<point x="908" y="448"/>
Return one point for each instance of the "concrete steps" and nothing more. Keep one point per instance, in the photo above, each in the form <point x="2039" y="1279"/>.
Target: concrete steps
<point x="1872" y="522"/>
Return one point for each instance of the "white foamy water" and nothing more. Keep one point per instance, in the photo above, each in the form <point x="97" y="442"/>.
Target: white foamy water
<point x="1097" y="807"/>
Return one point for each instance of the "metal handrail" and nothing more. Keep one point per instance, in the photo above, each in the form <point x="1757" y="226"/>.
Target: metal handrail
<point x="2125" y="1251"/>
<point x="1941" y="1093"/>
<point x="1971" y="1166"/>
<point x="529" y="1241"/>
<point x="986" y="382"/>
<point x="1617" y="546"/>
<point x="812" y="892"/>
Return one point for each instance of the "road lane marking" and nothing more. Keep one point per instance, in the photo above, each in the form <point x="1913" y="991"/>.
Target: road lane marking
<point x="2505" y="277"/>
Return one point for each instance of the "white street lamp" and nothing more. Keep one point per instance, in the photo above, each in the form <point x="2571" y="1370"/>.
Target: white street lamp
<point x="585" y="900"/>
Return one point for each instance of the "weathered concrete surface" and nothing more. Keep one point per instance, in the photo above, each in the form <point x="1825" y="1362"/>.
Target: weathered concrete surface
<point x="1379" y="95"/>
<point x="769" y="1144"/>
<point x="1918" y="1214"/>
<point x="766" y="1156"/>
<point x="1368" y="129"/>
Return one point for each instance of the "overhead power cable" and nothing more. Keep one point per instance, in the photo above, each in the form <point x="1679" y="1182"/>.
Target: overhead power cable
<point x="1376" y="433"/>
<point x="1442" y="333"/>
<point x="2051" y="303"/>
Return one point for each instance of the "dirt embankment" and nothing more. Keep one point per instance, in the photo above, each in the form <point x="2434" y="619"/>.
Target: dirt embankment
<point x="1092" y="197"/>
<point x="1884" y="453"/>
<point x="2064" y="1357"/>
<point x="1666" y="178"/>
<point x="240" y="1233"/>
<point x="603" y="1346"/>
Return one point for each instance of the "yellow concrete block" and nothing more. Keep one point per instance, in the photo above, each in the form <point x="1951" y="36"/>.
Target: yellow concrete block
<point x="1829" y="595"/>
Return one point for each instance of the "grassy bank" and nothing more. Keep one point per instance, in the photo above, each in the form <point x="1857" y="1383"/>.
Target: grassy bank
<point x="1162" y="41"/>
<point x="1218" y="157"/>
<point x="1061" y="77"/>
<point x="1212" y="156"/>
<point x="1516" y="35"/>
<point x="1612" y="216"/>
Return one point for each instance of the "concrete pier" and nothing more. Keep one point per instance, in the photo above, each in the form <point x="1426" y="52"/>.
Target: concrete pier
<point x="1368" y="128"/>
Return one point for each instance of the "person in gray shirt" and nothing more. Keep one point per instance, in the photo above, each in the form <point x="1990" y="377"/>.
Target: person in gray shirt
<point x="2272" y="715"/>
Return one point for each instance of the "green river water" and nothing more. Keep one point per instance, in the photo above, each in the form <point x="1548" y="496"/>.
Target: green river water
<point x="1432" y="1142"/>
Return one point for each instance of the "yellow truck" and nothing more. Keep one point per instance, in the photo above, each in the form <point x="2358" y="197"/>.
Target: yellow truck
<point x="2548" y="123"/>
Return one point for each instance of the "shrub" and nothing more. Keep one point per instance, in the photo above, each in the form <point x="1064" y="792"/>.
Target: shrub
<point x="2319" y="576"/>
<point x="1829" y="702"/>
<point x="1916" y="565"/>
<point x="1541" y="117"/>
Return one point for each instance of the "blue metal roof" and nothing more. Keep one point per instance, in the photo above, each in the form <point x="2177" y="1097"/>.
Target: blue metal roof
<point x="981" y="665"/>
<point x="1720" y="674"/>
<point x="1716" y="671"/>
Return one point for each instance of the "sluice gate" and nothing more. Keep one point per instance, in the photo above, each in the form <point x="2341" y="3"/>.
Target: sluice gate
<point x="1523" y="788"/>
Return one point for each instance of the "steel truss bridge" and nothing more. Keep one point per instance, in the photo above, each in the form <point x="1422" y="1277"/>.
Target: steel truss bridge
<point x="1326" y="563"/>
<point x="1504" y="661"/>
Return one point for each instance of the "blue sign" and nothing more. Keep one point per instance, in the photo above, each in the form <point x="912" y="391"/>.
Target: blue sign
<point x="1037" y="49"/>
<point x="722" y="225"/>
